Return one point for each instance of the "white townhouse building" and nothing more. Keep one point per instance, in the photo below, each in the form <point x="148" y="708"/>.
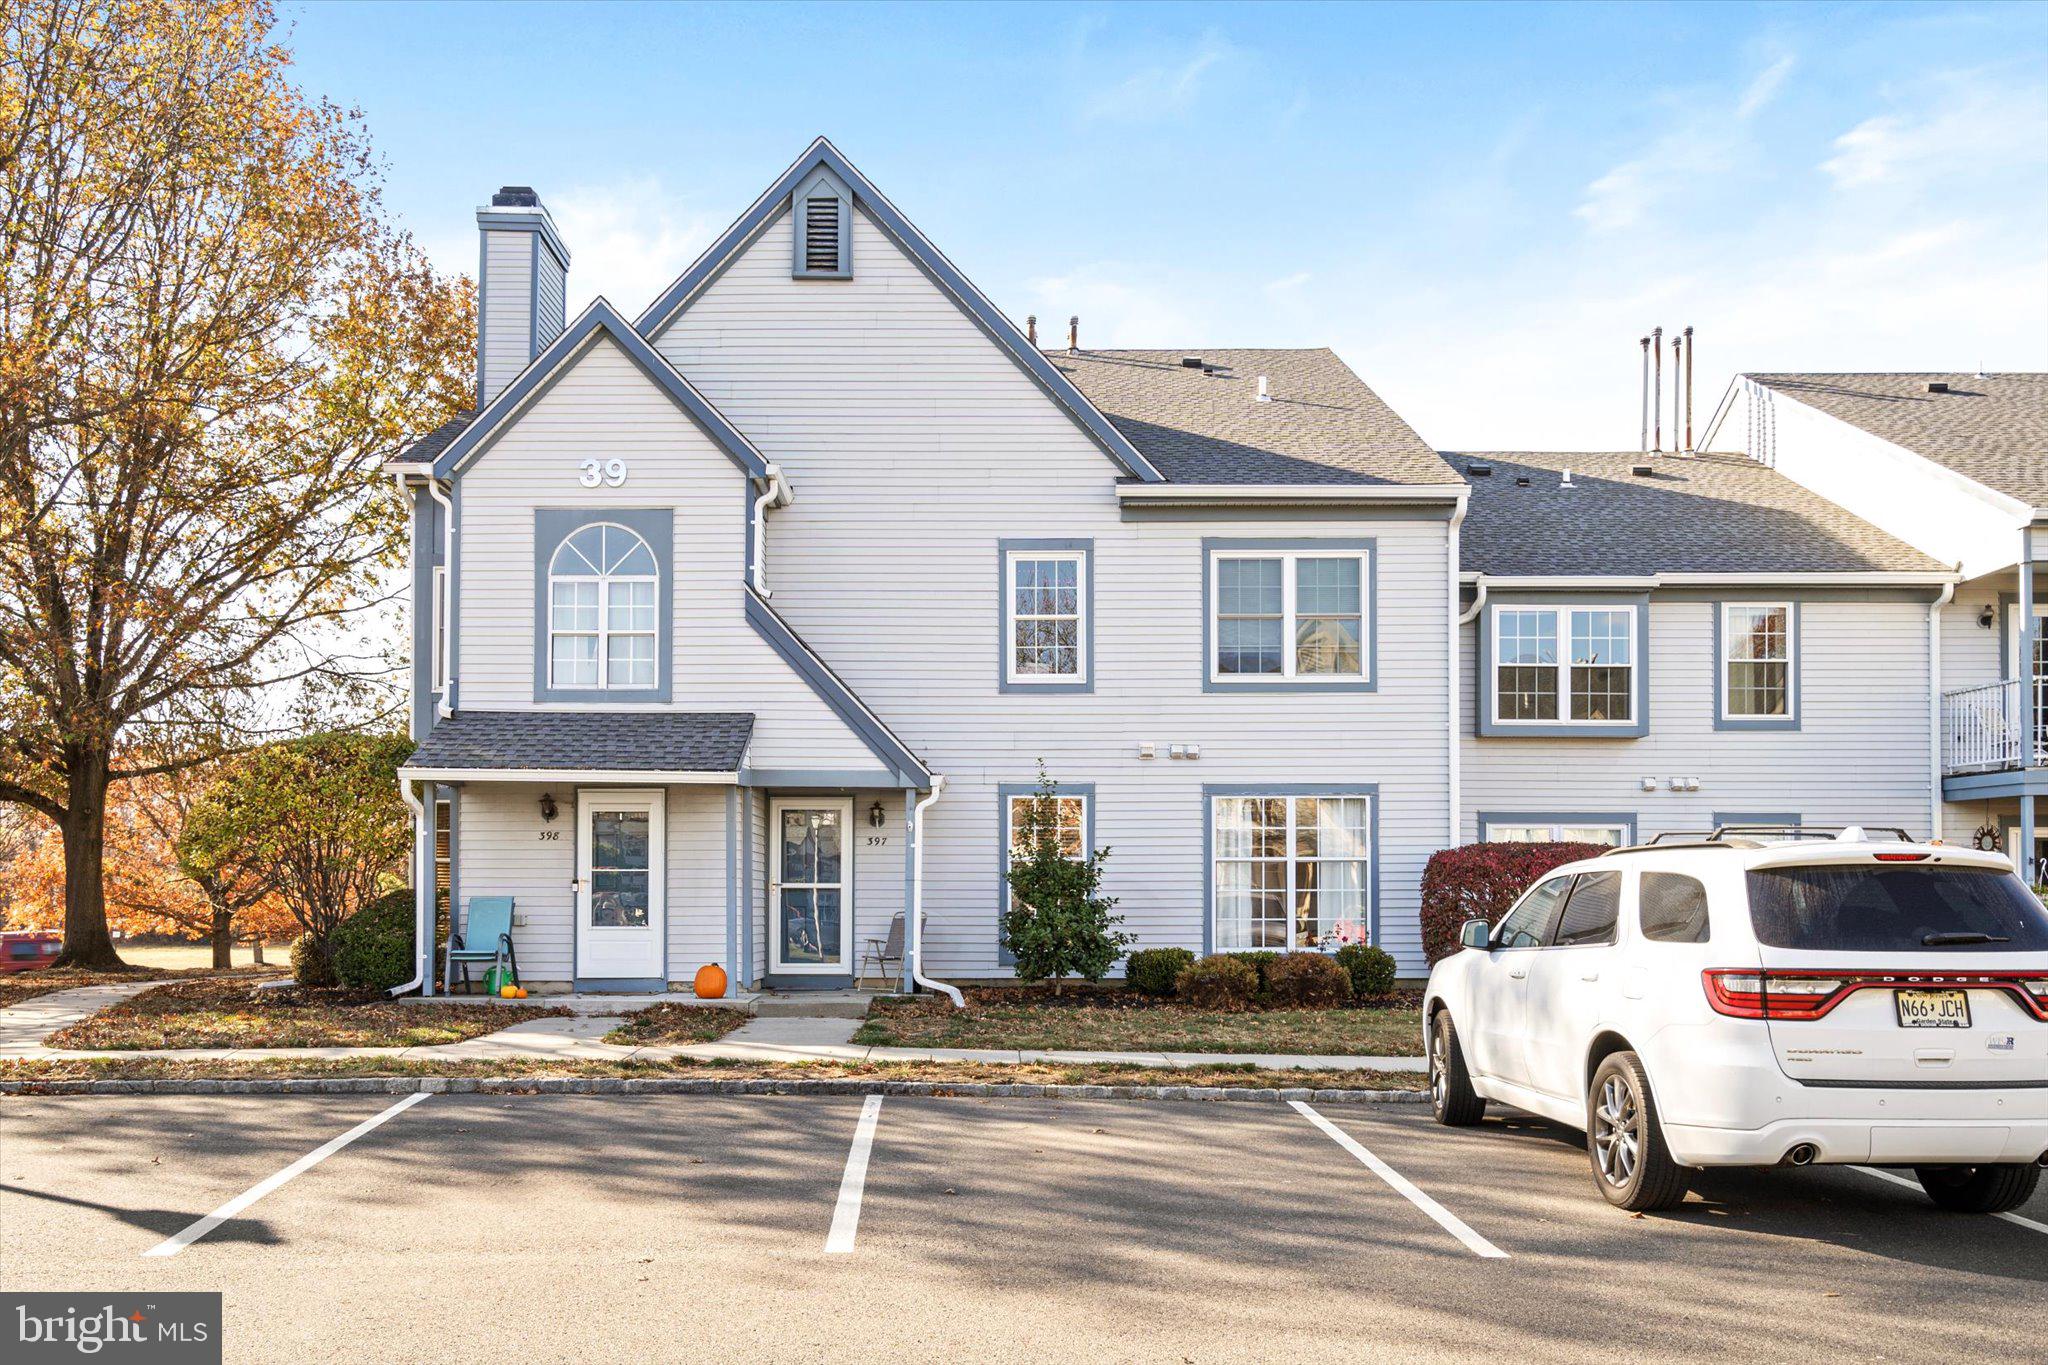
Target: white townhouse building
<point x="745" y="620"/>
<point x="1957" y="466"/>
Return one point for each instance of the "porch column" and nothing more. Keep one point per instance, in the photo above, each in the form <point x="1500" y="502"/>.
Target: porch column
<point x="2023" y="669"/>
<point x="732" y="893"/>
<point x="2027" y="836"/>
<point x="424" y="891"/>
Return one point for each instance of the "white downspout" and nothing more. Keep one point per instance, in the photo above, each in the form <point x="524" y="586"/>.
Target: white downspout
<point x="1453" y="733"/>
<point x="1934" y="707"/>
<point x="422" y="894"/>
<point x="444" y="609"/>
<point x="776" y="494"/>
<point x="917" y="898"/>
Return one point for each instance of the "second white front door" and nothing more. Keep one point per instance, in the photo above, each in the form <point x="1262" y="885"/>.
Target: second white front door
<point x="620" y="871"/>
<point x="810" y="888"/>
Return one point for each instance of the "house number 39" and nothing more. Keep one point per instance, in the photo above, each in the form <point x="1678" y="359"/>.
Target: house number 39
<point x="597" y="472"/>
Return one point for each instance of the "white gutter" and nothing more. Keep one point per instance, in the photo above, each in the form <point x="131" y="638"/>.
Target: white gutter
<point x="1227" y="493"/>
<point x="422" y="893"/>
<point x="1471" y="614"/>
<point x="917" y="975"/>
<point x="1602" y="583"/>
<point x="777" y="493"/>
<point x="1452" y="730"/>
<point x="443" y="607"/>
<point x="611" y="776"/>
<point x="1934" y="710"/>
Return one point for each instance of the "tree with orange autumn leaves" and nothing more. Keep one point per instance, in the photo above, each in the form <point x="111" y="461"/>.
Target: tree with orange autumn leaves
<point x="150" y="889"/>
<point x="210" y="341"/>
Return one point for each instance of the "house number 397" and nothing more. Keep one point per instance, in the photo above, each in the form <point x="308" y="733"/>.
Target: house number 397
<point x="597" y="472"/>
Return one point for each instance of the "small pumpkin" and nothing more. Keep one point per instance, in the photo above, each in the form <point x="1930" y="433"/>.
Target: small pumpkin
<point x="508" y="992"/>
<point x="711" y="982"/>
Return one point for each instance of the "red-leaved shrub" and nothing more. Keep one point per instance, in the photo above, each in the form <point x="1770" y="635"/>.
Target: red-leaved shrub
<point x="1481" y="881"/>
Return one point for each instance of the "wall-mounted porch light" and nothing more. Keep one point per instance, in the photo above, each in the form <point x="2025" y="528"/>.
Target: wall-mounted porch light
<point x="547" y="806"/>
<point x="876" y="815"/>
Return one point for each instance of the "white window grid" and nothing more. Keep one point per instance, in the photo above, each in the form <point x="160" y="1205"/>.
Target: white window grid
<point x="1573" y="832"/>
<point x="618" y="613"/>
<point x="1596" y="638"/>
<point x="1290" y="616"/>
<point x="1767" y="628"/>
<point x="1268" y="871"/>
<point x="1070" y="820"/>
<point x="1017" y="617"/>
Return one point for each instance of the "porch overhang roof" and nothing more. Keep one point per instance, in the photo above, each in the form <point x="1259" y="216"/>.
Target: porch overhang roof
<point x="669" y="747"/>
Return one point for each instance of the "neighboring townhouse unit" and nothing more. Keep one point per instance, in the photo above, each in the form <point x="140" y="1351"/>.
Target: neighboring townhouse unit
<point x="1957" y="465"/>
<point x="746" y="623"/>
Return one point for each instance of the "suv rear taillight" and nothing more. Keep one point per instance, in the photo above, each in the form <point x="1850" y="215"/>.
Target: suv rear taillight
<point x="1762" y="993"/>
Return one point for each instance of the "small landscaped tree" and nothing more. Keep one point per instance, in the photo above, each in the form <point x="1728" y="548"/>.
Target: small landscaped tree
<point x="319" y="818"/>
<point x="1059" y="923"/>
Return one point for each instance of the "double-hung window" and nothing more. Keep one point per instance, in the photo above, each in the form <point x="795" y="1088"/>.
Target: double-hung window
<point x="1291" y="872"/>
<point x="1522" y="829"/>
<point x="1293" y="617"/>
<point x="1565" y="665"/>
<point x="1069" y="822"/>
<point x="602" y="590"/>
<point x="1756" y="661"/>
<point x="1046" y="598"/>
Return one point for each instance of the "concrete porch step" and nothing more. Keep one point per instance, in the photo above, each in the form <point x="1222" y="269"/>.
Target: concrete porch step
<point x="813" y="1005"/>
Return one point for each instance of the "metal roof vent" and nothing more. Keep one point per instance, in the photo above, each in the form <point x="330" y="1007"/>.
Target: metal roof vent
<point x="1937" y="386"/>
<point x="1521" y="480"/>
<point x="1191" y="362"/>
<point x="1264" y="396"/>
<point x="1481" y="471"/>
<point x="1566" y="481"/>
<point x="1642" y="471"/>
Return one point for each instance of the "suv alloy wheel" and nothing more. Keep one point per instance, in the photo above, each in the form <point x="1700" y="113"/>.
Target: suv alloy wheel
<point x="1631" y="1164"/>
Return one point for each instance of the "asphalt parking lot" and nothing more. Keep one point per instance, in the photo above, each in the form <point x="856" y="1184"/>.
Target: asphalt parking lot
<point x="601" y="1228"/>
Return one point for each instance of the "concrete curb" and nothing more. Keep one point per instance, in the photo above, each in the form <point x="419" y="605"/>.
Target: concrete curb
<point x="615" y="1085"/>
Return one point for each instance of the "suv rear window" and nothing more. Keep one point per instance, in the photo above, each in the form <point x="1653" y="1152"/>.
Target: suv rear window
<point x="1865" y="909"/>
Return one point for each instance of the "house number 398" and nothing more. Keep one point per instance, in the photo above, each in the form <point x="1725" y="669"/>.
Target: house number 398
<point x="597" y="472"/>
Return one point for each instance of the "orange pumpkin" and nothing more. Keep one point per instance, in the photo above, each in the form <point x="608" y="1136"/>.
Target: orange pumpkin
<point x="710" y="982"/>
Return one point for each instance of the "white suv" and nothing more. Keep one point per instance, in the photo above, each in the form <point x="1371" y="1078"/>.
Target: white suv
<point x="1744" y="999"/>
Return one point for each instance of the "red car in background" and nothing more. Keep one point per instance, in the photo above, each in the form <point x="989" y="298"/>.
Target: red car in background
<point x="23" y="949"/>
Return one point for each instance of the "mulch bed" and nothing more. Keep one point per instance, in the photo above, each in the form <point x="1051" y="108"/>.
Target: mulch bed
<point x="669" y="1022"/>
<point x="233" y="1013"/>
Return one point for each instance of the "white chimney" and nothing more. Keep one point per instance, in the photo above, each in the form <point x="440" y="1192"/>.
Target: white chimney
<point x="1264" y="397"/>
<point x="522" y="287"/>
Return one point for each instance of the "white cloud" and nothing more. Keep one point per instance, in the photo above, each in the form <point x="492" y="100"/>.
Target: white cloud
<point x="1960" y="121"/>
<point x="628" y="239"/>
<point x="1162" y="88"/>
<point x="1119" y="306"/>
<point x="1764" y="87"/>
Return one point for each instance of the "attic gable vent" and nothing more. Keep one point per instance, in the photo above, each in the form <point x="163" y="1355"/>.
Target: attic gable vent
<point x="822" y="212"/>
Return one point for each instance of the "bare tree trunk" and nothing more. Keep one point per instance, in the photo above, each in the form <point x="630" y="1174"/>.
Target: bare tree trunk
<point x="223" y="939"/>
<point x="86" y="941"/>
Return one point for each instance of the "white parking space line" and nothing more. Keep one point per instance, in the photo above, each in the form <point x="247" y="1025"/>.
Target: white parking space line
<point x="173" y="1245"/>
<point x="1915" y="1185"/>
<point x="846" y="1216"/>
<point x="1448" y="1221"/>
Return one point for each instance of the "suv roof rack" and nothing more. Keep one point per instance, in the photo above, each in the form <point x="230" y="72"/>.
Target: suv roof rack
<point x="1753" y="836"/>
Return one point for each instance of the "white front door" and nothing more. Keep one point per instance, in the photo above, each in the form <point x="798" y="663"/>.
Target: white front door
<point x="620" y="872"/>
<point x="810" y="888"/>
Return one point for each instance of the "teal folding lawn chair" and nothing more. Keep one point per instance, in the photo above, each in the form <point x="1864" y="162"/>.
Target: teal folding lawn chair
<point x="486" y="937"/>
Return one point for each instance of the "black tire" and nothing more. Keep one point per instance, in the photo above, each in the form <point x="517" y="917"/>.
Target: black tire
<point x="1979" y="1189"/>
<point x="1451" y="1096"/>
<point x="1631" y="1164"/>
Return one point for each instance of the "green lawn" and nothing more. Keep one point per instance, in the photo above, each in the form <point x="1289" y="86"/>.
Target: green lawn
<point x="225" y="1012"/>
<point x="1113" y="1020"/>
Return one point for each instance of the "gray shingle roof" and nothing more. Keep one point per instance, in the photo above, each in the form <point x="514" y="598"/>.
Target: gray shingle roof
<point x="603" y="741"/>
<point x="437" y="440"/>
<point x="1323" y="426"/>
<point x="1993" y="429"/>
<point x="1695" y="514"/>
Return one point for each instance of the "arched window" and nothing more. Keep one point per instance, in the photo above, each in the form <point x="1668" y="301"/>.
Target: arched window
<point x="602" y="590"/>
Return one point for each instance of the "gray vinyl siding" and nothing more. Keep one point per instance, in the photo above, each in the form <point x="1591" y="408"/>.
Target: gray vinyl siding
<point x="915" y="445"/>
<point x="605" y="407"/>
<point x="507" y="320"/>
<point x="1971" y="656"/>
<point x="549" y="298"/>
<point x="1860" y="754"/>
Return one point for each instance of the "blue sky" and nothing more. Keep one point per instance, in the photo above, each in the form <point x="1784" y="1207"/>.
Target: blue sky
<point x="1480" y="207"/>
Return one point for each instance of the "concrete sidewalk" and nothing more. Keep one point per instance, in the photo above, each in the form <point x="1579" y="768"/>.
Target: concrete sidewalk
<point x="581" y="1038"/>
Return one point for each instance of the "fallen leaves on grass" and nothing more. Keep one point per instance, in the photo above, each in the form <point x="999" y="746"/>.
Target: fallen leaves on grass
<point x="672" y="1021"/>
<point x="28" y="985"/>
<point x="230" y="1012"/>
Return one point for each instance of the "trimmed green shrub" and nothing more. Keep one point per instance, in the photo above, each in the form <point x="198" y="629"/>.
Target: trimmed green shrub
<point x="1059" y="922"/>
<point x="1372" y="969"/>
<point x="1307" y="981"/>
<point x="1260" y="961"/>
<point x="311" y="963"/>
<point x="1222" y="982"/>
<point x="1154" y="971"/>
<point x="372" y="949"/>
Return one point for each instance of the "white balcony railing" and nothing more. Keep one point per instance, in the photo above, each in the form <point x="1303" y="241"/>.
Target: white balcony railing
<point x="1983" y="729"/>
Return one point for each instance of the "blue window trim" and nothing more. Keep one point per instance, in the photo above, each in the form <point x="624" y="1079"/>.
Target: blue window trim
<point x="1368" y="546"/>
<point x="800" y="198"/>
<point x="1212" y="790"/>
<point x="942" y="272"/>
<point x="656" y="526"/>
<point x="1005" y="548"/>
<point x="1545" y="729"/>
<point x="547" y="368"/>
<point x="1005" y="793"/>
<point x="1723" y="721"/>
<point x="1626" y="819"/>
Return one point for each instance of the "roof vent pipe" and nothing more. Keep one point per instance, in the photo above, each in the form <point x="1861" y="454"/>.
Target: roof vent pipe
<point x="1566" y="481"/>
<point x="1690" y="344"/>
<point x="1031" y="330"/>
<point x="1074" y="334"/>
<point x="1264" y="397"/>
<point x="1657" y="390"/>
<point x="1677" y="369"/>
<point x="1643" y="444"/>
